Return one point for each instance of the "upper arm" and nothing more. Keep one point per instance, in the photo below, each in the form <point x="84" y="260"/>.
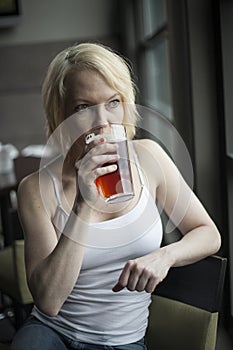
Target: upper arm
<point x="39" y="233"/>
<point x="174" y="195"/>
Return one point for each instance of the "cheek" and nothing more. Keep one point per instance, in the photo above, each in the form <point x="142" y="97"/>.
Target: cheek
<point x="118" y="115"/>
<point x="79" y="124"/>
<point x="74" y="127"/>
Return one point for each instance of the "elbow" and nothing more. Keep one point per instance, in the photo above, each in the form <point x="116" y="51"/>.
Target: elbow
<point x="44" y="299"/>
<point x="217" y="242"/>
<point x="51" y="312"/>
<point x="48" y="310"/>
<point x="47" y="304"/>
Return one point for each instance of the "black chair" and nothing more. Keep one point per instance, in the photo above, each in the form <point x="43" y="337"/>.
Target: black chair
<point x="185" y="307"/>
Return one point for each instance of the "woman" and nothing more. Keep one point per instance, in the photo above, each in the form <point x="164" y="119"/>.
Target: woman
<point x="89" y="296"/>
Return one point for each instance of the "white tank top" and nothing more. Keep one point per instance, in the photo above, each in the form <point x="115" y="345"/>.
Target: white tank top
<point x="93" y="313"/>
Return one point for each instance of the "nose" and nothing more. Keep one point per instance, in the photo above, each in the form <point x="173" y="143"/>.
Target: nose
<point x="100" y="116"/>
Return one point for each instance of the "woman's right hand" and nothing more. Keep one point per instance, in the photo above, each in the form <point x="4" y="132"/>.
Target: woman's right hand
<point x="90" y="167"/>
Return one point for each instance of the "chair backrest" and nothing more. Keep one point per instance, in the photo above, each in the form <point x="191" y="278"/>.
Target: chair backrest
<point x="13" y="257"/>
<point x="13" y="275"/>
<point x="24" y="295"/>
<point x="24" y="166"/>
<point x="185" y="306"/>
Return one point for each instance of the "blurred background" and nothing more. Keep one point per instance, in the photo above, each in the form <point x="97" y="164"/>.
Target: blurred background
<point x="181" y="53"/>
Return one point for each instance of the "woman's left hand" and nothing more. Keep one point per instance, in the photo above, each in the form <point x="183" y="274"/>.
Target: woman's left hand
<point x="144" y="273"/>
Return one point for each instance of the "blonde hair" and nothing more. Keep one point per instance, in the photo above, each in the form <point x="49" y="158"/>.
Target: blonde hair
<point x="104" y="60"/>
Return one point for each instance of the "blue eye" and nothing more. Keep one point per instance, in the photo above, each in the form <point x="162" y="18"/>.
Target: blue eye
<point x="81" y="107"/>
<point x="114" y="103"/>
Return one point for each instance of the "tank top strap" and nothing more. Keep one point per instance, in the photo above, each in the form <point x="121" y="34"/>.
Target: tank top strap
<point x="137" y="163"/>
<point x="55" y="185"/>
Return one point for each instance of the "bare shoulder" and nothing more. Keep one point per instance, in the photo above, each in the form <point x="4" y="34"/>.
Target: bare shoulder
<point x="148" y="147"/>
<point x="29" y="185"/>
<point x="147" y="144"/>
<point x="151" y="159"/>
<point x="33" y="192"/>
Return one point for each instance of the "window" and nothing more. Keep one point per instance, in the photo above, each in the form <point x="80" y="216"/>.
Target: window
<point x="157" y="84"/>
<point x="154" y="16"/>
<point x="178" y="48"/>
<point x="154" y="54"/>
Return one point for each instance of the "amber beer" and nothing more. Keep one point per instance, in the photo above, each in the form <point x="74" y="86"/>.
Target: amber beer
<point x="117" y="186"/>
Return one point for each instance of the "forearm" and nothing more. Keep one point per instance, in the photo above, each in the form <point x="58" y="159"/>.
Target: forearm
<point x="195" y="245"/>
<point x="54" y="277"/>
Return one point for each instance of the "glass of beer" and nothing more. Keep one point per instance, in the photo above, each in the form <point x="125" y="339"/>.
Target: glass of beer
<point x="116" y="186"/>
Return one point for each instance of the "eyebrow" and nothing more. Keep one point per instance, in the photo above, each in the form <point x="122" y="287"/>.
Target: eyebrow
<point x="113" y="96"/>
<point x="89" y="101"/>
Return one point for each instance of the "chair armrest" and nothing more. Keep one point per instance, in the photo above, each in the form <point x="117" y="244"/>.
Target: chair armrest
<point x="199" y="284"/>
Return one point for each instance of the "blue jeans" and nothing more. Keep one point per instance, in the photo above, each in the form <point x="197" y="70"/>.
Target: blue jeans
<point x="34" y="335"/>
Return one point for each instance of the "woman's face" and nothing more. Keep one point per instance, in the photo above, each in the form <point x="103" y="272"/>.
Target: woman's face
<point x="90" y="103"/>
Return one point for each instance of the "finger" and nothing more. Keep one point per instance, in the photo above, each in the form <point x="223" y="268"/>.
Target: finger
<point x="96" y="166"/>
<point x="123" y="279"/>
<point x="97" y="161"/>
<point x="105" y="170"/>
<point x="103" y="148"/>
<point x="97" y="156"/>
<point x="118" y="287"/>
<point x="98" y="141"/>
<point x="141" y="283"/>
<point x="99" y="149"/>
<point x="94" y="143"/>
<point x="101" y="160"/>
<point x="133" y="280"/>
<point x="144" y="278"/>
<point x="151" y="285"/>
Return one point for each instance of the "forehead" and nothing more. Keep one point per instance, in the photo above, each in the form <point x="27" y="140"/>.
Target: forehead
<point x="87" y="83"/>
